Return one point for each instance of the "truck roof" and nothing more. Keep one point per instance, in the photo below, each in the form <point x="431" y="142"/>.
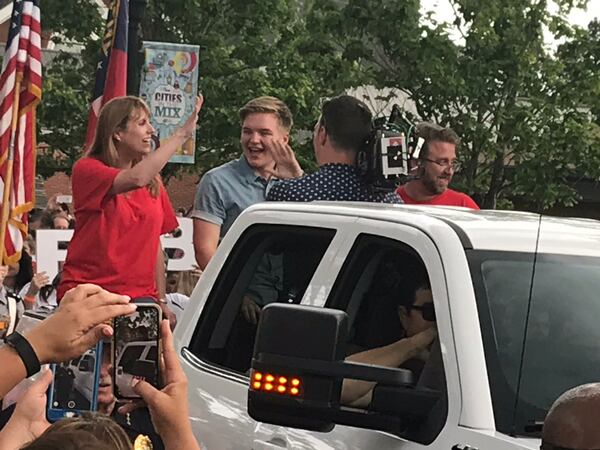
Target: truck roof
<point x="481" y="230"/>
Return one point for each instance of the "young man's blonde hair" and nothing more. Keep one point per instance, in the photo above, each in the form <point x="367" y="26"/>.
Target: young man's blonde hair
<point x="269" y="105"/>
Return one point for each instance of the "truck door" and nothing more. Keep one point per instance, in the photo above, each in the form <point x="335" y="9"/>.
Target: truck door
<point x="538" y="310"/>
<point x="269" y="263"/>
<point x="562" y="339"/>
<point x="386" y="266"/>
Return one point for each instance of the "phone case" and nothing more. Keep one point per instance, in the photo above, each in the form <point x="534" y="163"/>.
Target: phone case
<point x="136" y="350"/>
<point x="74" y="387"/>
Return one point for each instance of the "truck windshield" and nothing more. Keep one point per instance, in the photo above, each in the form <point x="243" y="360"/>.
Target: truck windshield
<point x="539" y="322"/>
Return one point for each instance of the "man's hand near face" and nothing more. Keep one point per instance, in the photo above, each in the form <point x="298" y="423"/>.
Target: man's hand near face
<point x="286" y="164"/>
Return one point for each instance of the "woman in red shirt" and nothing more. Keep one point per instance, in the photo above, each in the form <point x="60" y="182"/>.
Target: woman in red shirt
<point x="121" y="206"/>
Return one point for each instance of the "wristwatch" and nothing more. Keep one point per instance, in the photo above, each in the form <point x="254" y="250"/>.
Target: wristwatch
<point x="25" y="351"/>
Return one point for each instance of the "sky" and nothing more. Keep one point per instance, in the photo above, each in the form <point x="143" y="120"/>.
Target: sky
<point x="443" y="12"/>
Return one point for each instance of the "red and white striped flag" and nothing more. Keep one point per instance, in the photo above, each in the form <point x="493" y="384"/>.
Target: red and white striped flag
<point x="20" y="92"/>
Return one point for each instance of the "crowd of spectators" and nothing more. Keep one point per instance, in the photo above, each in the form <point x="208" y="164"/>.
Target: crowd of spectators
<point x="23" y="288"/>
<point x="80" y="322"/>
<point x="20" y="282"/>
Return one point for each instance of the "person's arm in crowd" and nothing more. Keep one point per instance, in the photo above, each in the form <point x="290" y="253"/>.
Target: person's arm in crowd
<point x="392" y="355"/>
<point x="52" y="204"/>
<point x="143" y="172"/>
<point x="78" y="323"/>
<point x="38" y="281"/>
<point x="29" y="418"/>
<point x="206" y="239"/>
<point x="3" y="273"/>
<point x="169" y="406"/>
<point x="13" y="370"/>
<point x="161" y="287"/>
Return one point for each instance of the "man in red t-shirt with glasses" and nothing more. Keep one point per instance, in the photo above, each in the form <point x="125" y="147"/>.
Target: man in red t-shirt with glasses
<point x="436" y="164"/>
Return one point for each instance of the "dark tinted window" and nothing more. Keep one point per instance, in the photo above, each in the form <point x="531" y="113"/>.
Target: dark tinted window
<point x="269" y="264"/>
<point x="88" y="359"/>
<point x="380" y="276"/>
<point x="153" y="353"/>
<point x="131" y="353"/>
<point x="562" y="345"/>
<point x="502" y="283"/>
<point x="377" y="273"/>
<point x="536" y="350"/>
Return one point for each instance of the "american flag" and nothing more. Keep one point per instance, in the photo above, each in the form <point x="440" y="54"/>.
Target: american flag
<point x="111" y="73"/>
<point x="20" y="92"/>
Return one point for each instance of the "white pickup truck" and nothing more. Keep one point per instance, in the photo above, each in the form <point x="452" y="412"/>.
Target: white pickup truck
<point x="517" y="302"/>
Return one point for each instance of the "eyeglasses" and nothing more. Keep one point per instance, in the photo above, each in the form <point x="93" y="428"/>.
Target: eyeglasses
<point x="427" y="310"/>
<point x="454" y="165"/>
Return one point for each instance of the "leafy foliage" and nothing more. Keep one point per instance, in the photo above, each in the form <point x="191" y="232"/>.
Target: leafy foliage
<point x="523" y="116"/>
<point x="248" y="49"/>
<point x="63" y="113"/>
<point x="68" y="81"/>
<point x="528" y="112"/>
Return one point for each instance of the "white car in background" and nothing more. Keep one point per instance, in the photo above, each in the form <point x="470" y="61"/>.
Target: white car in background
<point x="83" y="374"/>
<point x="133" y="355"/>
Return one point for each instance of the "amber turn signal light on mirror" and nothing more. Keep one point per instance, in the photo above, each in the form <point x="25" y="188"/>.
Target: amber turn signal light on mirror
<point x="274" y="383"/>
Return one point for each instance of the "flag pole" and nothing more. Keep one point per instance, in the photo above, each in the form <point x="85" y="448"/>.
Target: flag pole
<point x="9" y="170"/>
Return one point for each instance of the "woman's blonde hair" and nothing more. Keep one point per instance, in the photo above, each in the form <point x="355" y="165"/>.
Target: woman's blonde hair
<point x="90" y="428"/>
<point x="113" y="117"/>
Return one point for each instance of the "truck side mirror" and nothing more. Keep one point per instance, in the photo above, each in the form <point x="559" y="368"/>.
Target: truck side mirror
<point x="289" y="336"/>
<point x="298" y="368"/>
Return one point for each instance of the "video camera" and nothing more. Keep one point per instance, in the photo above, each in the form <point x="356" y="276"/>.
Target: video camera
<point x="384" y="163"/>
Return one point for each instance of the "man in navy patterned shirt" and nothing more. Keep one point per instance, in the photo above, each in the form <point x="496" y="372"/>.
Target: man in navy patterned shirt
<point x="341" y="132"/>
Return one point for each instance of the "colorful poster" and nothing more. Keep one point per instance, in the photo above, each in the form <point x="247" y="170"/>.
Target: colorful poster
<point x="169" y="85"/>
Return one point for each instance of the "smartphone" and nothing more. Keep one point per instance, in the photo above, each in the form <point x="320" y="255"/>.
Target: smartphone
<point x="136" y="346"/>
<point x="74" y="387"/>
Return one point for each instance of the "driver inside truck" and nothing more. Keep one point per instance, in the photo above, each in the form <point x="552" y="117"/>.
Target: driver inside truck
<point x="417" y="316"/>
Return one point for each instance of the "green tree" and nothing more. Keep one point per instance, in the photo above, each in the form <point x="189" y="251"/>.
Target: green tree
<point x="271" y="47"/>
<point x="62" y="114"/>
<point x="511" y="99"/>
<point x="528" y="113"/>
<point x="68" y="82"/>
<point x="248" y="49"/>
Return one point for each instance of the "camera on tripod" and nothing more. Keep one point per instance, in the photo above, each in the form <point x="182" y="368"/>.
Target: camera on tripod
<point x="385" y="160"/>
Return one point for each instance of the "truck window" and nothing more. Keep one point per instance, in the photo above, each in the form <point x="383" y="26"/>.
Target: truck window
<point x="270" y="263"/>
<point x="75" y="362"/>
<point x="539" y="330"/>
<point x="131" y="353"/>
<point x="384" y="288"/>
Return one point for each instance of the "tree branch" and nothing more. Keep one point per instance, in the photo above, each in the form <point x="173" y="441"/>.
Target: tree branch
<point x="462" y="33"/>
